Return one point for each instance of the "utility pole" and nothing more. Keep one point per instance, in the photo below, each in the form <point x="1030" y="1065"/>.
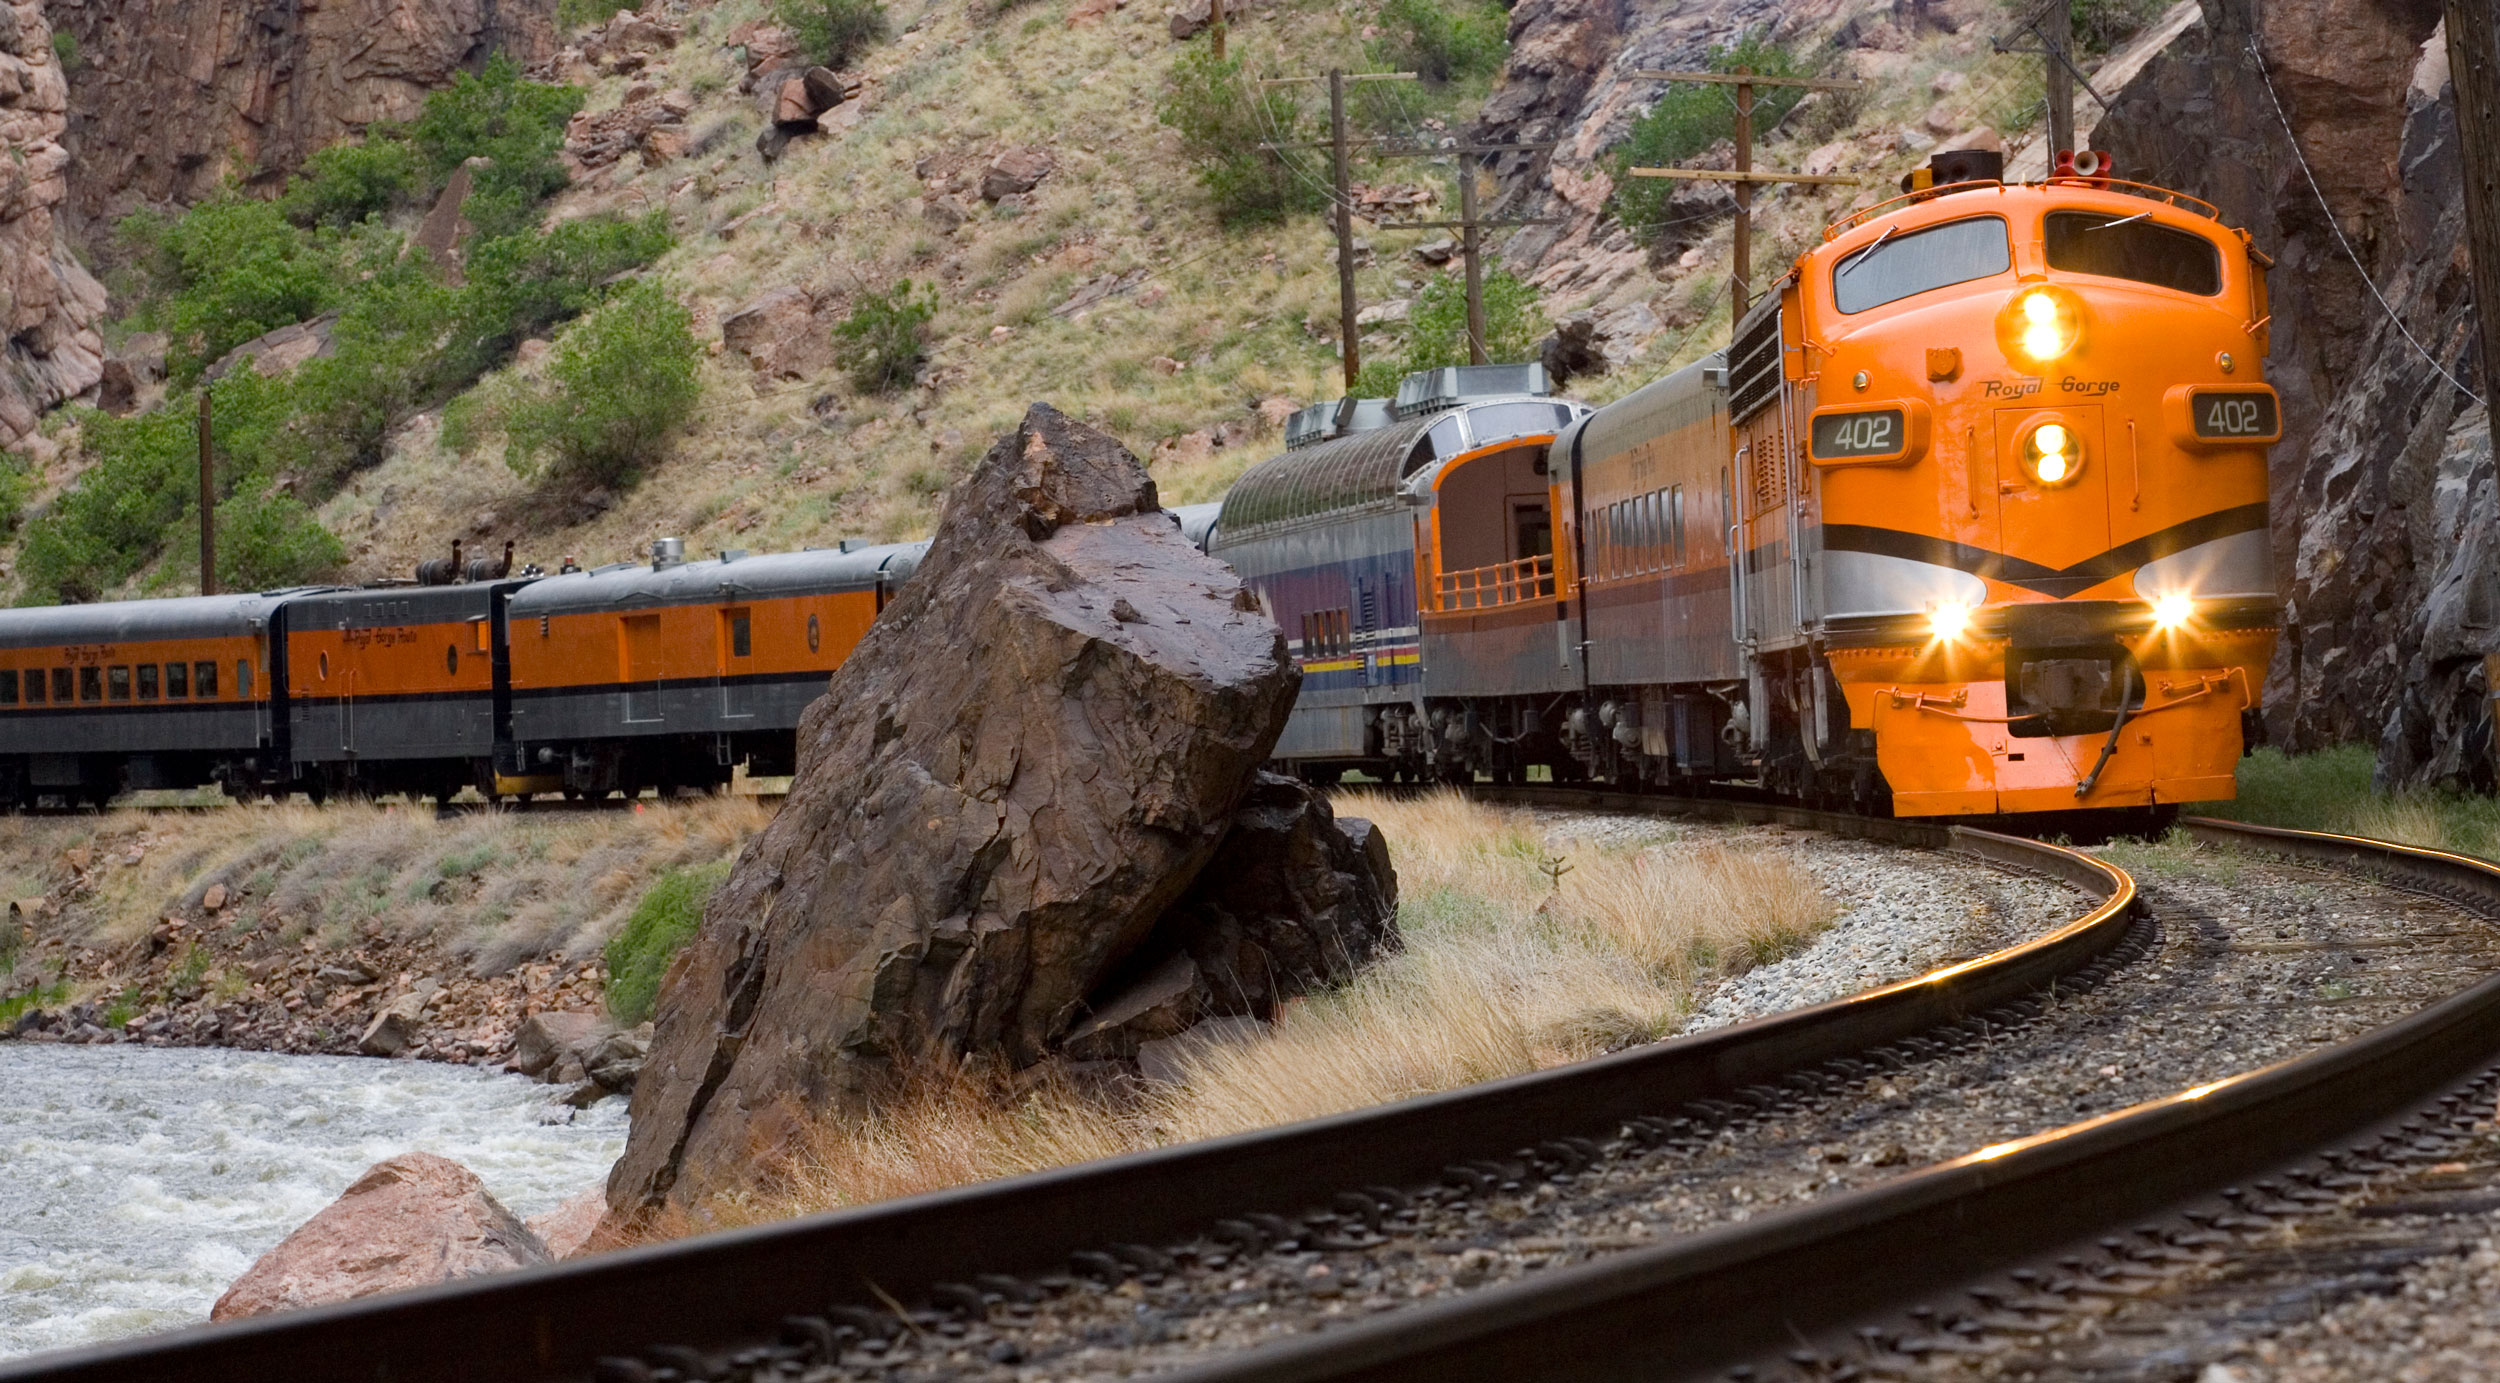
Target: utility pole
<point x="208" y="501"/>
<point x="2474" y="69"/>
<point x="1469" y="223"/>
<point x="1345" y="229"/>
<point x="1470" y="226"/>
<point x="2058" y="37"/>
<point x="1468" y="245"/>
<point x="1343" y="195"/>
<point x="2053" y="23"/>
<point x="1744" y="177"/>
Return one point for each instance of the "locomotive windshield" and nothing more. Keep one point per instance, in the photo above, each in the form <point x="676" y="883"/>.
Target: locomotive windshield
<point x="2123" y="247"/>
<point x="1898" y="266"/>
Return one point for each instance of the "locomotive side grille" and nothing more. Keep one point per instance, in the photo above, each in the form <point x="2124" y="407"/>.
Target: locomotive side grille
<point x="1753" y="364"/>
<point x="1767" y="457"/>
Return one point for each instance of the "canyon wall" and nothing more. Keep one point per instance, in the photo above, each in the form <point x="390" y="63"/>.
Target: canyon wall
<point x="2383" y="494"/>
<point x="169" y="97"/>
<point x="48" y="301"/>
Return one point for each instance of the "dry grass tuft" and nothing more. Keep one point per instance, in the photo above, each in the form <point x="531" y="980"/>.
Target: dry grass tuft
<point x="1504" y="971"/>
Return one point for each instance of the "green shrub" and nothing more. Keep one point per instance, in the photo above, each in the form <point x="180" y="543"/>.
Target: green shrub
<point x="1223" y="120"/>
<point x="1688" y="119"/>
<point x="572" y="16"/>
<point x="520" y="285"/>
<point x="1436" y="330"/>
<point x="226" y="271"/>
<point x="266" y="540"/>
<point x="65" y="49"/>
<point x="621" y="379"/>
<point x="662" y="924"/>
<point x="516" y="124"/>
<point x="1443" y="40"/>
<point x="834" y="32"/>
<point x="884" y="339"/>
<point x="352" y="180"/>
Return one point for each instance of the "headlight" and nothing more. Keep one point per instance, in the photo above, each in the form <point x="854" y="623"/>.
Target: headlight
<point x="1949" y="620"/>
<point x="2053" y="454"/>
<point x="2173" y="610"/>
<point x="2040" y="325"/>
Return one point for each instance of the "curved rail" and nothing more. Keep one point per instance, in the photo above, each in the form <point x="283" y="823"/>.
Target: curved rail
<point x="721" y="1290"/>
<point x="1753" y="1292"/>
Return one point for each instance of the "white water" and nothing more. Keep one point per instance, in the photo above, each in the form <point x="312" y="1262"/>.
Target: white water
<point x="136" y="1183"/>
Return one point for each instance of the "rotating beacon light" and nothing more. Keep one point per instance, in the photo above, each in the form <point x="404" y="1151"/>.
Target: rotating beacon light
<point x="2052" y="454"/>
<point x="2040" y="325"/>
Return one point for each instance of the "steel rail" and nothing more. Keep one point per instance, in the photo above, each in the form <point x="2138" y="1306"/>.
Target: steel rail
<point x="1748" y="1294"/>
<point x="735" y="1287"/>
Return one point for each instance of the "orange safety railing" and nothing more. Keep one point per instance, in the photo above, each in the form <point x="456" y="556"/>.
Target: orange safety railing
<point x="1503" y="583"/>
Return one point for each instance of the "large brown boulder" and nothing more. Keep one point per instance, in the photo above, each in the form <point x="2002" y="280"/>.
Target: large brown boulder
<point x="407" y="1222"/>
<point x="1022" y="766"/>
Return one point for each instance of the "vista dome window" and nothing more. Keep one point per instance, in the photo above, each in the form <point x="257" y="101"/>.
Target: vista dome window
<point x="1905" y="264"/>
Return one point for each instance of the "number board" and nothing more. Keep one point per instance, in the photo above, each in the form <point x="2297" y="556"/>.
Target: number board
<point x="2227" y="417"/>
<point x="1883" y="432"/>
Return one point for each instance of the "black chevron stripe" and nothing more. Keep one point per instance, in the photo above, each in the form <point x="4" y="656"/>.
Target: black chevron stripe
<point x="2032" y="576"/>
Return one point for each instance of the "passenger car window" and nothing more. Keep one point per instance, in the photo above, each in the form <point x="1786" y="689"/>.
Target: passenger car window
<point x="147" y="681"/>
<point x="1900" y="266"/>
<point x="177" y="680"/>
<point x="740" y="642"/>
<point x="60" y="684"/>
<point x="8" y="686"/>
<point x="2089" y="242"/>
<point x="1498" y="421"/>
<point x="204" y="680"/>
<point x="117" y="681"/>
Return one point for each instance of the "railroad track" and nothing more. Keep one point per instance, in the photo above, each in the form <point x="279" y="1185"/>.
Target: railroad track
<point x="883" y="1286"/>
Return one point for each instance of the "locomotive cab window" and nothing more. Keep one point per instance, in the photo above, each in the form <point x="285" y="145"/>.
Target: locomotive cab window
<point x="8" y="686"/>
<point x="1897" y="266"/>
<point x="204" y="680"/>
<point x="147" y="681"/>
<point x="2117" y="247"/>
<point x="177" y="681"/>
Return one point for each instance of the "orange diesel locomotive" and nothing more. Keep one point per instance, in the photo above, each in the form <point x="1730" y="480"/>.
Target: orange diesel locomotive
<point x="1993" y="463"/>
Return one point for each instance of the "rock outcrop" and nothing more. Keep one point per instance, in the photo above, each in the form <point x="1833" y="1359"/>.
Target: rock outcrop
<point x="51" y="303"/>
<point x="1021" y="768"/>
<point x="173" y="96"/>
<point x="407" y="1222"/>
<point x="2382" y="499"/>
<point x="1295" y="899"/>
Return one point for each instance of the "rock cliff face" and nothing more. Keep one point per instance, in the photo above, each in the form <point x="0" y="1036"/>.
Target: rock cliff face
<point x="1024" y="764"/>
<point x="2383" y="496"/>
<point x="49" y="303"/>
<point x="171" y="96"/>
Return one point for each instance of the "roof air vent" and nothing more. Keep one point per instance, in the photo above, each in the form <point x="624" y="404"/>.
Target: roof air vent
<point x="1430" y="391"/>
<point x="667" y="552"/>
